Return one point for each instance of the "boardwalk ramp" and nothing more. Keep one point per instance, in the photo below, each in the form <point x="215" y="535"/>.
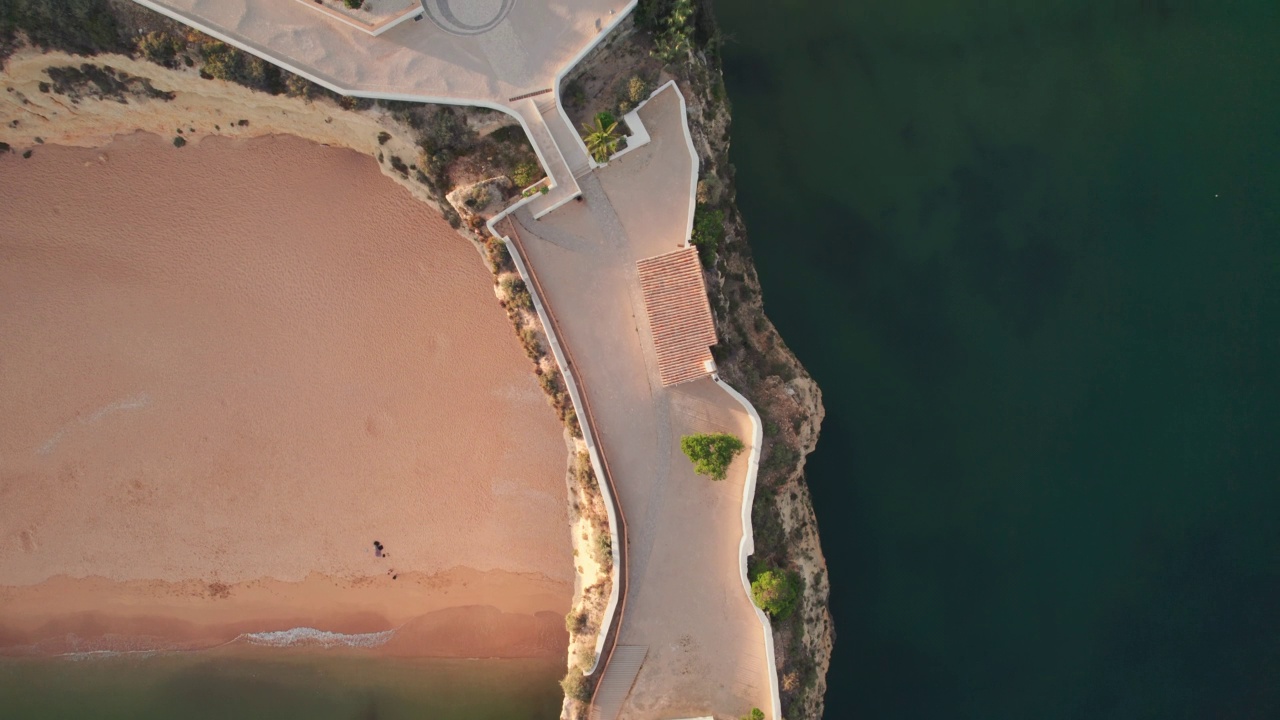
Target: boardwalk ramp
<point x="618" y="678"/>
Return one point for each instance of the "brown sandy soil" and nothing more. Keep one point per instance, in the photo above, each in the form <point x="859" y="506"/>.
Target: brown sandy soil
<point x="228" y="369"/>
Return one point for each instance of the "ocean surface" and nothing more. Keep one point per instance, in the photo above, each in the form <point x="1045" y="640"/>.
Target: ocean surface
<point x="1031" y="253"/>
<point x="278" y="684"/>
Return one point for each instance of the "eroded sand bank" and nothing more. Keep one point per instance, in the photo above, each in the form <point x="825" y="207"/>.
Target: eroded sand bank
<point x="227" y="370"/>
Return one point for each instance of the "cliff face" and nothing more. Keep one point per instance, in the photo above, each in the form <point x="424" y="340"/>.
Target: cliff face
<point x="753" y="357"/>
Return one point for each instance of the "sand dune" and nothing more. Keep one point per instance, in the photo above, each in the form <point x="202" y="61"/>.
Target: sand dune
<point x="247" y="360"/>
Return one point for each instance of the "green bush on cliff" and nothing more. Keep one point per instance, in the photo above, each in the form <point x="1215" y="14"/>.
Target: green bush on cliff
<point x="711" y="453"/>
<point x="159" y="47"/>
<point x="708" y="233"/>
<point x="525" y="173"/>
<point x="575" y="686"/>
<point x="673" y="33"/>
<point x="776" y="592"/>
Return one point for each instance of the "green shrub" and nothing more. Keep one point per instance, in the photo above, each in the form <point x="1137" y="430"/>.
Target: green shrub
<point x="159" y="47"/>
<point x="631" y="93"/>
<point x="517" y="293"/>
<point x="221" y="61"/>
<point x="675" y="40"/>
<point x="575" y="686"/>
<point x="524" y="174"/>
<point x="179" y="141"/>
<point x="776" y="592"/>
<point x="446" y="134"/>
<point x="708" y="233"/>
<point x="711" y="453"/>
<point x="604" y="549"/>
<point x="755" y="714"/>
<point x="529" y="341"/>
<point x="383" y="137"/>
<point x="638" y="89"/>
<point x="297" y="86"/>
<point x="353" y="4"/>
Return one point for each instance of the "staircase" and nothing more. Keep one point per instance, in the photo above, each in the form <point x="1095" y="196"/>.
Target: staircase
<point x="548" y="131"/>
<point x="571" y="147"/>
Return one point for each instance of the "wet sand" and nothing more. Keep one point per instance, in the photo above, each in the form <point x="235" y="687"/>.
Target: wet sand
<point x="228" y="369"/>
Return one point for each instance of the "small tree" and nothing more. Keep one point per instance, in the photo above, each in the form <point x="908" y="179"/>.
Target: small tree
<point x="602" y="138"/>
<point x="755" y="714"/>
<point x="776" y="592"/>
<point x="711" y="453"/>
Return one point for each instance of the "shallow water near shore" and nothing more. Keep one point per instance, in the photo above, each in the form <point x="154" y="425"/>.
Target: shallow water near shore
<point x="277" y="684"/>
<point x="1030" y="253"/>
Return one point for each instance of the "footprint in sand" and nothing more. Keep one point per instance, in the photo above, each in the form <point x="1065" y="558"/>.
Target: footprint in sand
<point x="27" y="539"/>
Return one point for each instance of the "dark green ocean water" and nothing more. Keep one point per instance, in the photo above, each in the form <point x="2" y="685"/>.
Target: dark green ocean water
<point x="277" y="685"/>
<point x="1031" y="252"/>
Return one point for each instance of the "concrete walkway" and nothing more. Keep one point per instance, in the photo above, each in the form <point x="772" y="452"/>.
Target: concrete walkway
<point x="705" y="645"/>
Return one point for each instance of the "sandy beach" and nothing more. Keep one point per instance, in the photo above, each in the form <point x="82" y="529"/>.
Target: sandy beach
<point x="230" y="368"/>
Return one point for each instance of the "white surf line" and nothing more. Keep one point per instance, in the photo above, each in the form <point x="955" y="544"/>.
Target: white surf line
<point x="310" y="637"/>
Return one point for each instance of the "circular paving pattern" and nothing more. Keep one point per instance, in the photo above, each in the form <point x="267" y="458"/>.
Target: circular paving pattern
<point x="468" y="17"/>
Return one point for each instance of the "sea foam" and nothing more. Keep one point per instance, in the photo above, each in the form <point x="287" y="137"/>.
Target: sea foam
<point x="311" y="637"/>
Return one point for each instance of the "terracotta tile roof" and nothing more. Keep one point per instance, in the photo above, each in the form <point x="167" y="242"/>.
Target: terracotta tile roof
<point x="679" y="315"/>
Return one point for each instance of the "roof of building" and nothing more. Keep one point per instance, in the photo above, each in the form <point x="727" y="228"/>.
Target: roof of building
<point x="675" y="300"/>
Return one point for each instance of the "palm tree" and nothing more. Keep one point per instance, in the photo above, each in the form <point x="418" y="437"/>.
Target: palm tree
<point x="602" y="138"/>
